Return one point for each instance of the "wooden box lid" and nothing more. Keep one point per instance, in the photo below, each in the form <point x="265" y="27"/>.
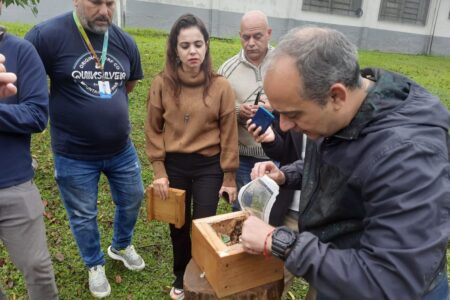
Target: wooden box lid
<point x="170" y="210"/>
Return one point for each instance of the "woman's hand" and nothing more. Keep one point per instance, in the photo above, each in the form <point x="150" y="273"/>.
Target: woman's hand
<point x="161" y="186"/>
<point x="230" y="191"/>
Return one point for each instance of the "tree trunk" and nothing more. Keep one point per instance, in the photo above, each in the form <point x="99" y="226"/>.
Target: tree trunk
<point x="197" y="288"/>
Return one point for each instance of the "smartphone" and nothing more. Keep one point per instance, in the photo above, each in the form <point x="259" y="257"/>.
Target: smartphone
<point x="263" y="118"/>
<point x="226" y="197"/>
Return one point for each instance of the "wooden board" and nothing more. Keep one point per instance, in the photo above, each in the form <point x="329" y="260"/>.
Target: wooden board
<point x="170" y="210"/>
<point x="229" y="269"/>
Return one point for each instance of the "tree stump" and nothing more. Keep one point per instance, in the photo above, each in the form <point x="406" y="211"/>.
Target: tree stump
<point x="197" y="288"/>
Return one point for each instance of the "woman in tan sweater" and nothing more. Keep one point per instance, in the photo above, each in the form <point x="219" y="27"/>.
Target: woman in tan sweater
<point x="191" y="133"/>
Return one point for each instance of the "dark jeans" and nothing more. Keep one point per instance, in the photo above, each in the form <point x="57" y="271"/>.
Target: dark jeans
<point x="440" y="291"/>
<point x="201" y="177"/>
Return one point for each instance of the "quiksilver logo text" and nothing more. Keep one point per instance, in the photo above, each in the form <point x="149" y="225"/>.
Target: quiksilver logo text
<point x="98" y="75"/>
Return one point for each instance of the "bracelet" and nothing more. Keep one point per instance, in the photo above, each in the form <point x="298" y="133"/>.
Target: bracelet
<point x="265" y="251"/>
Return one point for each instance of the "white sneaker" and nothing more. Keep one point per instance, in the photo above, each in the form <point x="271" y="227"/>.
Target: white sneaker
<point x="176" y="294"/>
<point x="98" y="283"/>
<point x="128" y="256"/>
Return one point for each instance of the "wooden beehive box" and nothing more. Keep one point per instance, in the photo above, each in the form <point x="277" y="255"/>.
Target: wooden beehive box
<point x="229" y="269"/>
<point x="170" y="210"/>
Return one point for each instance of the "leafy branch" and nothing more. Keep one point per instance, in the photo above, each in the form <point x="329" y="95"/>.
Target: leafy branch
<point x="24" y="3"/>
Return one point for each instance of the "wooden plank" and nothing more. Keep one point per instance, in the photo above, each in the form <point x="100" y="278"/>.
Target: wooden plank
<point x="204" y="254"/>
<point x="246" y="271"/>
<point x="171" y="210"/>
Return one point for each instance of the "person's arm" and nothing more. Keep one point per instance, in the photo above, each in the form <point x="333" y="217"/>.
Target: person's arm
<point x="154" y="134"/>
<point x="405" y="190"/>
<point x="136" y="72"/>
<point x="130" y="85"/>
<point x="285" y="147"/>
<point x="30" y="113"/>
<point x="44" y="46"/>
<point x="229" y="153"/>
<point x="243" y="110"/>
<point x="154" y="128"/>
<point x="277" y="148"/>
<point x="293" y="174"/>
<point x="273" y="142"/>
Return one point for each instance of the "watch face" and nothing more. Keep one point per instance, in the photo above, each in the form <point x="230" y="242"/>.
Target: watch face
<point x="285" y="236"/>
<point x="282" y="240"/>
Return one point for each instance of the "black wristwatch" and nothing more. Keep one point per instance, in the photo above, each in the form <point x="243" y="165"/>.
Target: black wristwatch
<point x="283" y="239"/>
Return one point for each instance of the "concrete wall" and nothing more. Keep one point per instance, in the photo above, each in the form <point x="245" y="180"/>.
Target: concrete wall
<point x="222" y="18"/>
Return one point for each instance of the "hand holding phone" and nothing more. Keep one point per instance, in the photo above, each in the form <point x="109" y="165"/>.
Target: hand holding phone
<point x="262" y="118"/>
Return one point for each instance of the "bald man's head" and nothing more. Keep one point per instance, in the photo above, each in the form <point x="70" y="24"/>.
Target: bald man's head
<point x="254" y="17"/>
<point x="255" y="35"/>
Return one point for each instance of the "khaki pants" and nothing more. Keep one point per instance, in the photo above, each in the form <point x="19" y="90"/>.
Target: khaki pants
<point x="22" y="232"/>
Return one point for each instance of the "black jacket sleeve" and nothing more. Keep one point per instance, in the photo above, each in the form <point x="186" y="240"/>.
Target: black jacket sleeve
<point x="406" y="198"/>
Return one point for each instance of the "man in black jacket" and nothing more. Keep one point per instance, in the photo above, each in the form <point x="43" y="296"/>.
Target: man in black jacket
<point x="375" y="206"/>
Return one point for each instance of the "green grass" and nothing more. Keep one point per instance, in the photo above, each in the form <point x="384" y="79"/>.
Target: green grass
<point x="151" y="238"/>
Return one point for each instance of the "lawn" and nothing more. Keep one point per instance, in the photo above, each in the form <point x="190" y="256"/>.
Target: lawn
<point x="151" y="238"/>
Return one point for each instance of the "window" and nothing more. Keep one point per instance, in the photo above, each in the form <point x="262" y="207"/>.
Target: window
<point x="338" y="7"/>
<point x="404" y="11"/>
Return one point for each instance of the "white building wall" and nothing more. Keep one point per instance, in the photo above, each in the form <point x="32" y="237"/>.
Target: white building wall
<point x="222" y="18"/>
<point x="292" y="9"/>
<point x="443" y="21"/>
<point x="367" y="31"/>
